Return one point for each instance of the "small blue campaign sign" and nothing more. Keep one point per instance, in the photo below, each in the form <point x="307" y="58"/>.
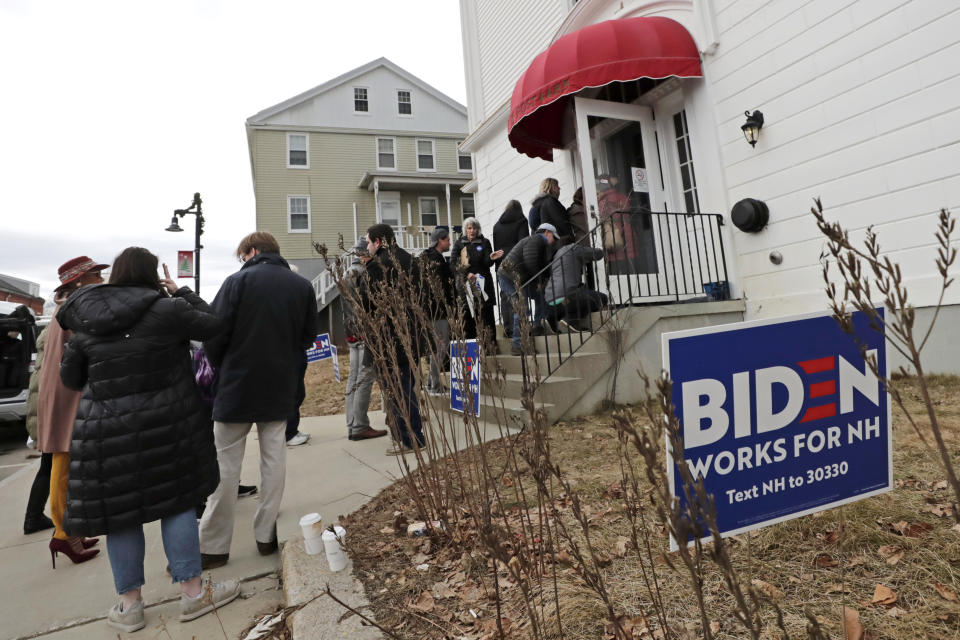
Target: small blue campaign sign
<point x="336" y="362"/>
<point x="464" y="370"/>
<point x="780" y="417"/>
<point x="320" y="349"/>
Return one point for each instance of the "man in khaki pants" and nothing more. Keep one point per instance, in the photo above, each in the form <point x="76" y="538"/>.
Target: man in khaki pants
<point x="270" y="315"/>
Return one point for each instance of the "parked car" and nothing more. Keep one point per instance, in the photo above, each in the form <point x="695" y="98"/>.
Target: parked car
<point x="18" y="352"/>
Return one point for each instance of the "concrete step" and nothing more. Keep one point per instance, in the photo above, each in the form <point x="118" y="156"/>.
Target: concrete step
<point x="581" y="364"/>
<point x="508" y="411"/>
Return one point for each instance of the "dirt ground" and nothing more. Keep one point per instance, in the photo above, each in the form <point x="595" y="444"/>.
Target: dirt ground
<point x="893" y="560"/>
<point x="325" y="394"/>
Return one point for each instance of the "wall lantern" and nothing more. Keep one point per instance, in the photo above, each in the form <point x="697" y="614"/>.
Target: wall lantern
<point x="751" y="128"/>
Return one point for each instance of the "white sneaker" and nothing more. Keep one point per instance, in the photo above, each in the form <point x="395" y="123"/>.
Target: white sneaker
<point x="128" y="620"/>
<point x="213" y="595"/>
<point x="298" y="439"/>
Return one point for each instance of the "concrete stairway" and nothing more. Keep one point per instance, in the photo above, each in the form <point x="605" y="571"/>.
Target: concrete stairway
<point x="585" y="378"/>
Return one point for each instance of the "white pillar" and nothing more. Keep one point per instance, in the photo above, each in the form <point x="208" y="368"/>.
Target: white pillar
<point x="449" y="214"/>
<point x="356" y="232"/>
<point x="376" y="199"/>
<point x="409" y="215"/>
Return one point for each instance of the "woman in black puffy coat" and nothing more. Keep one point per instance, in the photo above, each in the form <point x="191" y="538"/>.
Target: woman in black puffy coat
<point x="142" y="447"/>
<point x="471" y="256"/>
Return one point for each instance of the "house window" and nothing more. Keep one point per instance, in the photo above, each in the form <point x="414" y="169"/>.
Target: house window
<point x="688" y="179"/>
<point x="360" y="102"/>
<point x="386" y="153"/>
<point x="464" y="160"/>
<point x="425" y="156"/>
<point x="467" y="207"/>
<point x="404" y="106"/>
<point x="298" y="214"/>
<point x="297" y="151"/>
<point x="429" y="212"/>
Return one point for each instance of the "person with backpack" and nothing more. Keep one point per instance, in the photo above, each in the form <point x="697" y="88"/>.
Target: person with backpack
<point x="528" y="259"/>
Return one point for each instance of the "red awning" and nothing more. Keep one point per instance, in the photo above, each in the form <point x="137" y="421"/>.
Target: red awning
<point x="611" y="51"/>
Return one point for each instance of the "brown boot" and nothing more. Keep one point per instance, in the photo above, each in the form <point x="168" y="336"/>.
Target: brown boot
<point x="367" y="434"/>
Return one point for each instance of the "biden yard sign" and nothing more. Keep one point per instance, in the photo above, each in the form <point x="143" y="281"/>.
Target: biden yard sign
<point x="780" y="418"/>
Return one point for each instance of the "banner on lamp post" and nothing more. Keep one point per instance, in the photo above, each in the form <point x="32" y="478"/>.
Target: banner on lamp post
<point x="184" y="264"/>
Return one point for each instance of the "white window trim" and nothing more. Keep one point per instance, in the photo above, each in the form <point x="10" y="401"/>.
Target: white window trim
<point x="309" y="214"/>
<point x="461" y="153"/>
<point x="433" y="152"/>
<point x="298" y="166"/>
<point x="377" y="150"/>
<point x="397" y="93"/>
<point x="353" y="100"/>
<point x="463" y="215"/>
<point x="436" y="209"/>
<point x="390" y="196"/>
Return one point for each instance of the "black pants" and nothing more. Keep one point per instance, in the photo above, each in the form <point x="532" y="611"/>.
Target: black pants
<point x="41" y="488"/>
<point x="578" y="305"/>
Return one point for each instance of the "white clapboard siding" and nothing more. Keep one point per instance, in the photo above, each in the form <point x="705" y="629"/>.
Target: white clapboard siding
<point x="510" y="35"/>
<point x="862" y="107"/>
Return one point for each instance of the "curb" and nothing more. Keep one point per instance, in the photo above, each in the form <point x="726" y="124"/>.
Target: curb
<point x="305" y="577"/>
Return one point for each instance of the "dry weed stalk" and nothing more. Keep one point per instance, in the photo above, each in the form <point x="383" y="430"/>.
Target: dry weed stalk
<point x="864" y="271"/>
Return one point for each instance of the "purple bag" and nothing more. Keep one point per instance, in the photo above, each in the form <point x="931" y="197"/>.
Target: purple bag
<point x="205" y="376"/>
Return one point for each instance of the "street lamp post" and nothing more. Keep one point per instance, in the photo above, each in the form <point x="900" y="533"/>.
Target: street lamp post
<point x="195" y="208"/>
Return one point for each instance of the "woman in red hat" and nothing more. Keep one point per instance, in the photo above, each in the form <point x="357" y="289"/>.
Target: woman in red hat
<point x="57" y="410"/>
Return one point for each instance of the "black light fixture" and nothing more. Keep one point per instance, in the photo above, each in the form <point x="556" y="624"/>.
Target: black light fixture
<point x="751" y="128"/>
<point x="195" y="208"/>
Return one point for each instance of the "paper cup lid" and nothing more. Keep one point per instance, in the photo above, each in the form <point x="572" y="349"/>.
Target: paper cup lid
<point x="310" y="518"/>
<point x="338" y="532"/>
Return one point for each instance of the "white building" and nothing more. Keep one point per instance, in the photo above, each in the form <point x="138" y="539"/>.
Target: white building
<point x="860" y="99"/>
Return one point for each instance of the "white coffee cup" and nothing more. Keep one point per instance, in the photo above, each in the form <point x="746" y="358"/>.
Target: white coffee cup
<point x="312" y="527"/>
<point x="336" y="556"/>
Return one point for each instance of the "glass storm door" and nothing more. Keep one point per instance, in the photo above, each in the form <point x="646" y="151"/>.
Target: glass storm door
<point x="623" y="190"/>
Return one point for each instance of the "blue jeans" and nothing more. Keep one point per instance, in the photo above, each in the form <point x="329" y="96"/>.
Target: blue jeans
<point x="181" y="542"/>
<point x="408" y="396"/>
<point x="508" y="291"/>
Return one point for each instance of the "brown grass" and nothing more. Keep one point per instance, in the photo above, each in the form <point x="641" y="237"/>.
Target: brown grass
<point x="828" y="560"/>
<point x="325" y="394"/>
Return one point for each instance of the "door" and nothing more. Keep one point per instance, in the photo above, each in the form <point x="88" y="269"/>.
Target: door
<point x="623" y="192"/>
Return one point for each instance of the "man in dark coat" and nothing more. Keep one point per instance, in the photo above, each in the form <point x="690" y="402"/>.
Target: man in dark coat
<point x="437" y="288"/>
<point x="510" y="229"/>
<point x="387" y="297"/>
<point x="528" y="259"/>
<point x="270" y="318"/>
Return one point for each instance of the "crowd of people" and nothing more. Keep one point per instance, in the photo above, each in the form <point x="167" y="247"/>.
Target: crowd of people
<point x="143" y="395"/>
<point x="126" y="435"/>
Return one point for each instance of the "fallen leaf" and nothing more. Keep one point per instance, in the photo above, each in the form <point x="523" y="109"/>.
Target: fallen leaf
<point x="856" y="561"/>
<point x="939" y="510"/>
<point x="621" y="546"/>
<point x="715" y="627"/>
<point x="420" y="558"/>
<point x="883" y="595"/>
<point x="387" y="530"/>
<point x="852" y="629"/>
<point x="896" y="612"/>
<point x="767" y="588"/>
<point x="838" y="588"/>
<point x="917" y="529"/>
<point x="563" y="557"/>
<point x="891" y="553"/>
<point x="938" y="486"/>
<point x="441" y="590"/>
<point x="956" y="528"/>
<point x="824" y="561"/>
<point x="423" y="603"/>
<point x="945" y="592"/>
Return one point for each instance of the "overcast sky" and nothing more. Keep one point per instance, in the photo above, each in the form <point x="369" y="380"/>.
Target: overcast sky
<point x="115" y="112"/>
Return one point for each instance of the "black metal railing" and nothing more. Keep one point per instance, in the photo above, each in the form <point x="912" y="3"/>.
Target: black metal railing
<point x="630" y="258"/>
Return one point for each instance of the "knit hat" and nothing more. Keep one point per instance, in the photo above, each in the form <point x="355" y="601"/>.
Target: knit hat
<point x="546" y="226"/>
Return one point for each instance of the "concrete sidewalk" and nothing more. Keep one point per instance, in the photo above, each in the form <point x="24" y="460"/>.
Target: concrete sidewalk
<point x="329" y="474"/>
